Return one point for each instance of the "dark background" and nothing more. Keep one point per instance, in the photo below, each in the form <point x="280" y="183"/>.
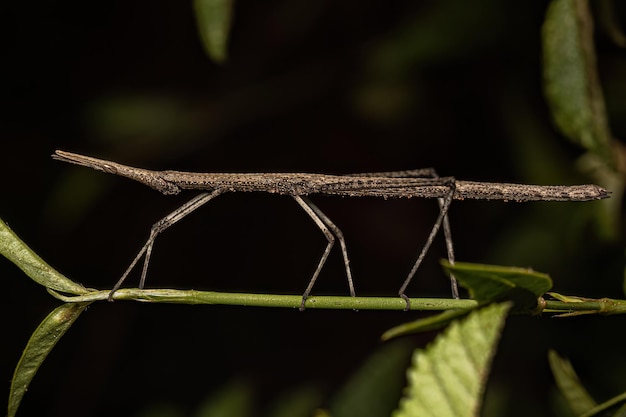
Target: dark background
<point x="313" y="86"/>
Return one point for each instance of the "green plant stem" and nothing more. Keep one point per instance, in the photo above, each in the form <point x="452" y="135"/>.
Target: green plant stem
<point x="600" y="306"/>
<point x="270" y="300"/>
<point x="605" y="405"/>
<point x="588" y="306"/>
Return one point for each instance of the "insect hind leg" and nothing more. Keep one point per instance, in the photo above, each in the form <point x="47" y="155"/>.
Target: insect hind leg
<point x="442" y="220"/>
<point x="445" y="222"/>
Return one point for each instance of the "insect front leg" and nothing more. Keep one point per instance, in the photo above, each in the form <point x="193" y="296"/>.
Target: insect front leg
<point x="159" y="227"/>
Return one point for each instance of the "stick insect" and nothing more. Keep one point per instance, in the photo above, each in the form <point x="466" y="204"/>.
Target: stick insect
<point x="420" y="183"/>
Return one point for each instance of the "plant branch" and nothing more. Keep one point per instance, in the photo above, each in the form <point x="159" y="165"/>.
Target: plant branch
<point x="574" y="306"/>
<point x="269" y="300"/>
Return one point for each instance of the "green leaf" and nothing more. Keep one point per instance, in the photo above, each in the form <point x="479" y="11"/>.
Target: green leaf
<point x="16" y="251"/>
<point x="434" y="322"/>
<point x="487" y="283"/>
<point x="43" y="339"/>
<point x="571" y="81"/>
<point x="373" y="389"/>
<point x="449" y="377"/>
<point x="214" y="19"/>
<point x="576" y="395"/>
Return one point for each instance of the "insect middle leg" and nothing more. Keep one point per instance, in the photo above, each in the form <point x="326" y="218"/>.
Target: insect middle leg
<point x="331" y="231"/>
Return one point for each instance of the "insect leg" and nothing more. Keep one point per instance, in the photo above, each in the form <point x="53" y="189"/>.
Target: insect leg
<point x="427" y="173"/>
<point x="441" y="219"/>
<point x="342" y="242"/>
<point x="328" y="228"/>
<point x="159" y="227"/>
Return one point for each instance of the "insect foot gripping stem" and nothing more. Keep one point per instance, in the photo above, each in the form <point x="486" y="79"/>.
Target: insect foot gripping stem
<point x="407" y="301"/>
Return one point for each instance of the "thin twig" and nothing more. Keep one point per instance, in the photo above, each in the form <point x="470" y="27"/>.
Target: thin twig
<point x="268" y="300"/>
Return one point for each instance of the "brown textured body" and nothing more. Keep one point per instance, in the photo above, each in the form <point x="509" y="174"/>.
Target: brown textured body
<point x="358" y="185"/>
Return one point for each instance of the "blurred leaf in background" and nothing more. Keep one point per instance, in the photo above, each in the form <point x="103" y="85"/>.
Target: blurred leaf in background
<point x="214" y="19"/>
<point x="569" y="384"/>
<point x="375" y="388"/>
<point x="571" y="79"/>
<point x="574" y="95"/>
